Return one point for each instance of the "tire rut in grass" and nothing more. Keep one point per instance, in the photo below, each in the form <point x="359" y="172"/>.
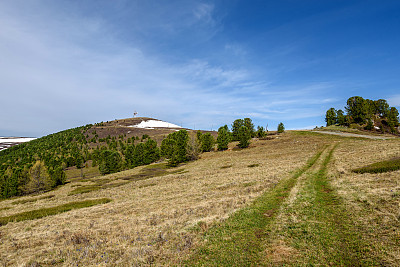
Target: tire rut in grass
<point x="237" y="241"/>
<point x="316" y="229"/>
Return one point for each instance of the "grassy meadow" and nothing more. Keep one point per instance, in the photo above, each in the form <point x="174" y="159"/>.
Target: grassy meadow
<point x="292" y="200"/>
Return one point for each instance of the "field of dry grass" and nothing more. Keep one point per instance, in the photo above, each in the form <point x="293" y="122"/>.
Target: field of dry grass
<point x="161" y="219"/>
<point x="373" y="198"/>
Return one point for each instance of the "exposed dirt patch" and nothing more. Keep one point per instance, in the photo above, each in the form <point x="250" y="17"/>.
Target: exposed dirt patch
<point x="355" y="135"/>
<point x="280" y="252"/>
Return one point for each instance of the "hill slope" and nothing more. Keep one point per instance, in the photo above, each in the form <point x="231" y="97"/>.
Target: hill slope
<point x="66" y="151"/>
<point x="320" y="212"/>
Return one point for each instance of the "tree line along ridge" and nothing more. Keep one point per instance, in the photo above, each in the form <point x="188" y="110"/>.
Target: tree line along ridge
<point x="365" y="114"/>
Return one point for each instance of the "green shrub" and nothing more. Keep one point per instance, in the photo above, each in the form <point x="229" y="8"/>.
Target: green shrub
<point x="379" y="167"/>
<point x="36" y="214"/>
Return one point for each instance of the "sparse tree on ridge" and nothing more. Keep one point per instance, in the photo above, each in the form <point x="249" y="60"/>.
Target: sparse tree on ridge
<point x="174" y="147"/>
<point x="223" y="138"/>
<point x="250" y="126"/>
<point x="207" y="142"/>
<point x="341" y="118"/>
<point x="331" y="117"/>
<point x="236" y="125"/>
<point x="393" y="119"/>
<point x="244" y="136"/>
<point x="357" y="109"/>
<point x="281" y="128"/>
<point x="260" y="132"/>
<point x="381" y="107"/>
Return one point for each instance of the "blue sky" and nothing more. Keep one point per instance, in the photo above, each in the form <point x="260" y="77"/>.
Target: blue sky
<point x="199" y="64"/>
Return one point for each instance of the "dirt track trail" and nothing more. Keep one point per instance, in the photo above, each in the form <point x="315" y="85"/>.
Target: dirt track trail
<point x="302" y="221"/>
<point x="238" y="241"/>
<point x="355" y="135"/>
<point x="314" y="227"/>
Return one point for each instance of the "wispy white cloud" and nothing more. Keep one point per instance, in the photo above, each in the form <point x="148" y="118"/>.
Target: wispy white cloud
<point x="77" y="71"/>
<point x="203" y="11"/>
<point x="394" y="101"/>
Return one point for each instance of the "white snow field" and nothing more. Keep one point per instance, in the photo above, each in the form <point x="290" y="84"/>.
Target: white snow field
<point x="151" y="124"/>
<point x="6" y="142"/>
<point x="15" y="139"/>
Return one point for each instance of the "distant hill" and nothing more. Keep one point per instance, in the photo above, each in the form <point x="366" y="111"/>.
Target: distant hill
<point x="51" y="156"/>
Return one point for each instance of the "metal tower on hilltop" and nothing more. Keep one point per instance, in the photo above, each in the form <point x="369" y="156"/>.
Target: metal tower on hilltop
<point x="135" y="114"/>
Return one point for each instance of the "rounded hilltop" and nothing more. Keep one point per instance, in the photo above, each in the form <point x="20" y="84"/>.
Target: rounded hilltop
<point x="134" y="127"/>
<point x="142" y="122"/>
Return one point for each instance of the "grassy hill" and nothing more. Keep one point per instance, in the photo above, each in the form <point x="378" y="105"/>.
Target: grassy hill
<point x="71" y="154"/>
<point x="291" y="200"/>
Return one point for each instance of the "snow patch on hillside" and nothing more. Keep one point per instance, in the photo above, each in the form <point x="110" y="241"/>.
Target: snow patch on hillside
<point x="15" y="139"/>
<point x="151" y="124"/>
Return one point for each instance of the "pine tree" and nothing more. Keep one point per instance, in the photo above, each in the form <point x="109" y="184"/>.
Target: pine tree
<point x="236" y="125"/>
<point x="223" y="138"/>
<point x="281" y="128"/>
<point x="244" y="136"/>
<point x="207" y="142"/>
<point x="357" y="109"/>
<point x="393" y="117"/>
<point x="250" y="126"/>
<point x="260" y="132"/>
<point x="341" y="118"/>
<point x="129" y="155"/>
<point x="151" y="152"/>
<point x="381" y="107"/>
<point x="331" y="117"/>
<point x="111" y="162"/>
<point x="58" y="176"/>
<point x="174" y="147"/>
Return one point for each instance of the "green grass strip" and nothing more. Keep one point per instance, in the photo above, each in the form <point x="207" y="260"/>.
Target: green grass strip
<point x="36" y="214"/>
<point x="338" y="230"/>
<point x="237" y="241"/>
<point x="380" y="167"/>
<point x="326" y="233"/>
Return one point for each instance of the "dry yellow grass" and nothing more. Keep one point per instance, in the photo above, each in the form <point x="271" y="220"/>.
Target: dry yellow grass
<point x="373" y="198"/>
<point x="151" y="221"/>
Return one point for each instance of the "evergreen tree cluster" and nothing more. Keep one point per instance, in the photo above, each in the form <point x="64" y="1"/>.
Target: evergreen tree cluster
<point x="142" y="154"/>
<point x="206" y="141"/>
<point x="242" y="130"/>
<point x="364" y="112"/>
<point x="175" y="147"/>
<point x="39" y="164"/>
